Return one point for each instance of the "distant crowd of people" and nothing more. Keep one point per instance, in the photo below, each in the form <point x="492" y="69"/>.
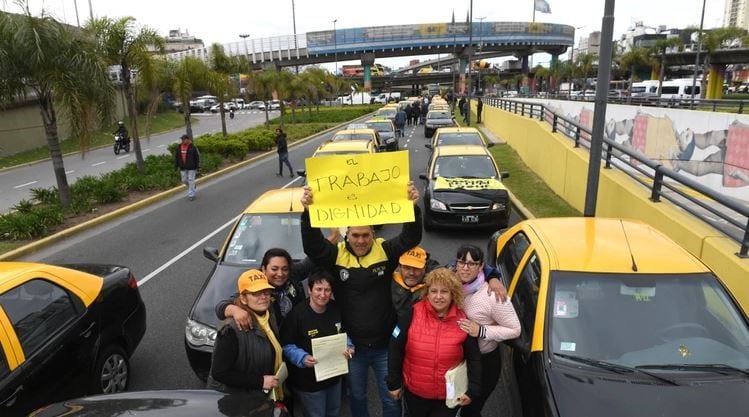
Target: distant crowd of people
<point x="405" y="316"/>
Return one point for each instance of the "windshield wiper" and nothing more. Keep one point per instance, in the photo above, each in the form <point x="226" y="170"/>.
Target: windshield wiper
<point x="720" y="368"/>
<point x="614" y="367"/>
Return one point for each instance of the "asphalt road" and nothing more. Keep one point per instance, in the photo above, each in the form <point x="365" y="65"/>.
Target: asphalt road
<point x="16" y="184"/>
<point x="163" y="246"/>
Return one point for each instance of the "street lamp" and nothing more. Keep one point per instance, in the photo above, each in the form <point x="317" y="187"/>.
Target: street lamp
<point x="478" y="82"/>
<point x="697" y="57"/>
<point x="572" y="61"/>
<point x="335" y="45"/>
<point x="244" y="37"/>
<point x="470" y="62"/>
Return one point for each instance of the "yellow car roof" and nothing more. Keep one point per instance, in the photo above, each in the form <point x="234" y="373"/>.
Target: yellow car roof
<point x="84" y="285"/>
<point x="285" y="200"/>
<point x="380" y="120"/>
<point x="610" y="246"/>
<point x="457" y="130"/>
<point x="355" y="146"/>
<point x="457" y="150"/>
<point x="352" y="131"/>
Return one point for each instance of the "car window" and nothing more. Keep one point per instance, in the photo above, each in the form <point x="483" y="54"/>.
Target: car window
<point x="37" y="309"/>
<point x="459" y="139"/>
<point x="437" y="115"/>
<point x="465" y="166"/>
<point x="511" y="255"/>
<point x="639" y="319"/>
<point x="381" y="126"/>
<point x="4" y="367"/>
<point x="255" y="234"/>
<point x="525" y="296"/>
<point x="352" y="136"/>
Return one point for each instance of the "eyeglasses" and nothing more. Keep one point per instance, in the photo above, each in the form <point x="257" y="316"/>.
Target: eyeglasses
<point x="471" y="264"/>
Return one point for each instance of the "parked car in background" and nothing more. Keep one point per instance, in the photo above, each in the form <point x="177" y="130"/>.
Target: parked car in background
<point x="614" y="313"/>
<point x="256" y="105"/>
<point x="227" y="106"/>
<point x="239" y="102"/>
<point x="274" y="105"/>
<point x="65" y="331"/>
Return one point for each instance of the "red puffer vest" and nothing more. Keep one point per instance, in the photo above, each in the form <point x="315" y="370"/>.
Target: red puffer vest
<point x="433" y="346"/>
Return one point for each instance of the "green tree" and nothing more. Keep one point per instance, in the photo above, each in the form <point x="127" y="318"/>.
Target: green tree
<point x="153" y="85"/>
<point x="633" y="59"/>
<point x="218" y="79"/>
<point x="59" y="68"/>
<point x="659" y="50"/>
<point x="191" y="74"/>
<point x="584" y="67"/>
<point x="712" y="41"/>
<point x="278" y="81"/>
<point x="130" y="47"/>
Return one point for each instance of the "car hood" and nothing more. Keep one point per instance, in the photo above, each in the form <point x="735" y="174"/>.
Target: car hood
<point x="221" y="285"/>
<point x="439" y="122"/>
<point x="468" y="190"/>
<point x="166" y="403"/>
<point x="581" y="394"/>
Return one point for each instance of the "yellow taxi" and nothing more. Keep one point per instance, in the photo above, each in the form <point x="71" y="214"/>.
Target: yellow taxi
<point x="271" y="221"/>
<point x="369" y="134"/>
<point x="345" y="147"/>
<point x="464" y="189"/>
<point x="618" y="320"/>
<point x="446" y="136"/>
<point x="65" y="331"/>
<point x="386" y="130"/>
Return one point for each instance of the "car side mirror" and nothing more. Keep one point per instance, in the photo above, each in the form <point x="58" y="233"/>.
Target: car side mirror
<point x="424" y="177"/>
<point x="301" y="172"/>
<point x="504" y="174"/>
<point x="428" y="145"/>
<point x="490" y="144"/>
<point x="211" y="253"/>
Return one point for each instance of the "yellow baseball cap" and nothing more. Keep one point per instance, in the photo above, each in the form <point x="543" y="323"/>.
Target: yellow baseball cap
<point x="253" y="280"/>
<point x="415" y="257"/>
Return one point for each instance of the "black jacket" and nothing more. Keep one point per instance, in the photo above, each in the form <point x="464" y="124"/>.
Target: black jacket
<point x="241" y="359"/>
<point x="191" y="163"/>
<point x="362" y="284"/>
<point x="404" y="297"/>
<point x="281" y="144"/>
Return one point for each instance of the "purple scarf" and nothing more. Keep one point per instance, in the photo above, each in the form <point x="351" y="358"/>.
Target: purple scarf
<point x="473" y="286"/>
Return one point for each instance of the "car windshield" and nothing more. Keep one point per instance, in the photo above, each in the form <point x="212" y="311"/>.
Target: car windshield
<point x="645" y="320"/>
<point x="352" y="136"/>
<point x="256" y="233"/>
<point x="358" y="126"/>
<point x="380" y="126"/>
<point x="386" y="112"/>
<point x="438" y="115"/>
<point x="465" y="166"/>
<point x="471" y="138"/>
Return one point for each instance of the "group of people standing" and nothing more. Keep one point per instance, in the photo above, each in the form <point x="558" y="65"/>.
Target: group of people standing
<point x="405" y="316"/>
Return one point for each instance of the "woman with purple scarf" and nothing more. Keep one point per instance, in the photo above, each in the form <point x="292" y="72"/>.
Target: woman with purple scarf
<point x="488" y="319"/>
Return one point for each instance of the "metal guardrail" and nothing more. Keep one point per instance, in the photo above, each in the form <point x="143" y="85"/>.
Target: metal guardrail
<point x="726" y="214"/>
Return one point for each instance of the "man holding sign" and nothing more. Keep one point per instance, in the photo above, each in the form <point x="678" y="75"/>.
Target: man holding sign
<point x="363" y="266"/>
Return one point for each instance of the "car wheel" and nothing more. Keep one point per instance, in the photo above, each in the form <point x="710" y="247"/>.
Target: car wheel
<point x="112" y="371"/>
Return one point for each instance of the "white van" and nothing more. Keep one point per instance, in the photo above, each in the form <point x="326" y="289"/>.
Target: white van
<point x="681" y="88"/>
<point x="647" y="88"/>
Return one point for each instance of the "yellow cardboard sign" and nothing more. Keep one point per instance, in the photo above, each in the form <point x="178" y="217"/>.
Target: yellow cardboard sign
<point x="442" y="183"/>
<point x="359" y="189"/>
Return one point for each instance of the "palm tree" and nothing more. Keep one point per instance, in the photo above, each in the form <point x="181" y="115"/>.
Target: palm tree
<point x="633" y="59"/>
<point x="221" y="66"/>
<point x="712" y="41"/>
<point x="59" y="68"/>
<point x="542" y="74"/>
<point x="279" y="82"/>
<point x="659" y="50"/>
<point x="585" y="67"/>
<point x="153" y="84"/>
<point x="189" y="75"/>
<point x="121" y="43"/>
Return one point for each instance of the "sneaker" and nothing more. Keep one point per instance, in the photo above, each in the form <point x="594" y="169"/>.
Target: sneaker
<point x="291" y="175"/>
<point x="191" y="198"/>
<point x="279" y="175"/>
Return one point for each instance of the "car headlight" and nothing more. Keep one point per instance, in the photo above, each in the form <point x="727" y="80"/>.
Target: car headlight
<point x="498" y="206"/>
<point x="198" y="334"/>
<point x="437" y="205"/>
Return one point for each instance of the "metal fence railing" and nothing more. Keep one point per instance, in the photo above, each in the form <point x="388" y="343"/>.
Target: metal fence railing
<point x="724" y="213"/>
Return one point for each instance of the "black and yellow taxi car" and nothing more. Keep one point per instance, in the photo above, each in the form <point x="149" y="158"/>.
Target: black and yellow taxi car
<point x="387" y="112"/>
<point x="386" y="130"/>
<point x="437" y="119"/>
<point x="345" y="147"/>
<point x="271" y="221"/>
<point x="464" y="189"/>
<point x="618" y="320"/>
<point x="370" y="135"/>
<point x="446" y="136"/>
<point x="65" y="330"/>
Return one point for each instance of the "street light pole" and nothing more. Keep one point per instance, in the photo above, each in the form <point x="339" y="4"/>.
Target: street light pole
<point x="697" y="57"/>
<point x="481" y="47"/>
<point x="470" y="62"/>
<point x="293" y="17"/>
<point x="455" y="41"/>
<point x="335" y="45"/>
<point x="244" y="37"/>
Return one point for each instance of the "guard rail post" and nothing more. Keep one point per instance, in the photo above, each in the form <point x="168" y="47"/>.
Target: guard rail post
<point x="542" y="112"/>
<point x="745" y="243"/>
<point x="741" y="107"/>
<point x="609" y="152"/>
<point x="554" y="124"/>
<point x="522" y="109"/>
<point x="655" y="196"/>
<point x="577" y="136"/>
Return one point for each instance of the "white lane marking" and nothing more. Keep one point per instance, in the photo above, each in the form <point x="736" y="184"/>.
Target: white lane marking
<point x="146" y="150"/>
<point x="69" y="172"/>
<point x="185" y="252"/>
<point x="161" y="146"/>
<point x="123" y="156"/>
<point x="98" y="163"/>
<point x="24" y="185"/>
<point x="291" y="182"/>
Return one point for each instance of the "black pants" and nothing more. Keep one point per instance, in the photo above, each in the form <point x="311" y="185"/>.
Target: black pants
<point x="416" y="406"/>
<point x="491" y="367"/>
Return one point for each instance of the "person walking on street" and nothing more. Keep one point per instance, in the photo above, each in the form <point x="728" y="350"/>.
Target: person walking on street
<point x="400" y="121"/>
<point x="461" y="105"/>
<point x="363" y="267"/>
<point x="465" y="111"/>
<point x="479" y="109"/>
<point x="282" y="148"/>
<point x="187" y="160"/>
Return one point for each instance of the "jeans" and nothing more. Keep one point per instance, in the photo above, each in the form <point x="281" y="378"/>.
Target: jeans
<point x="323" y="403"/>
<point x="491" y="368"/>
<point x="422" y="407"/>
<point x="283" y="158"/>
<point x="377" y="359"/>
<point x="188" y="178"/>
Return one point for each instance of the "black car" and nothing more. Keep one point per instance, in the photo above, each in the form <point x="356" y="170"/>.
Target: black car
<point x="65" y="331"/>
<point x="166" y="403"/>
<point x="436" y="120"/>
<point x="465" y="189"/>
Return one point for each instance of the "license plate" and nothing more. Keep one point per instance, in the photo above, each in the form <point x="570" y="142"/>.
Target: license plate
<point x="470" y="219"/>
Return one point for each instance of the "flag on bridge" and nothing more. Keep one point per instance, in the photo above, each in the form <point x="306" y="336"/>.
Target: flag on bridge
<point x="542" y="6"/>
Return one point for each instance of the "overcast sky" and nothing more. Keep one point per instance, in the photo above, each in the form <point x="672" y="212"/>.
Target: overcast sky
<point x="223" y="20"/>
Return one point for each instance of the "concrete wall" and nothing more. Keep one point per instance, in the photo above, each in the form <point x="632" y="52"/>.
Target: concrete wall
<point x="21" y="127"/>
<point x="564" y="168"/>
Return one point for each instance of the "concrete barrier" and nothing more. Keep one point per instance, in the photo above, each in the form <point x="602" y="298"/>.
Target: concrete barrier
<point x="564" y="169"/>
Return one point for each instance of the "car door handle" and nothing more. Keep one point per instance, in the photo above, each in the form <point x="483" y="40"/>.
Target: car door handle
<point x="9" y="400"/>
<point x="87" y="332"/>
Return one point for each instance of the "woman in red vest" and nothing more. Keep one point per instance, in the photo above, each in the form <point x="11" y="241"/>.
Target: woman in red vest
<point x="429" y="343"/>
